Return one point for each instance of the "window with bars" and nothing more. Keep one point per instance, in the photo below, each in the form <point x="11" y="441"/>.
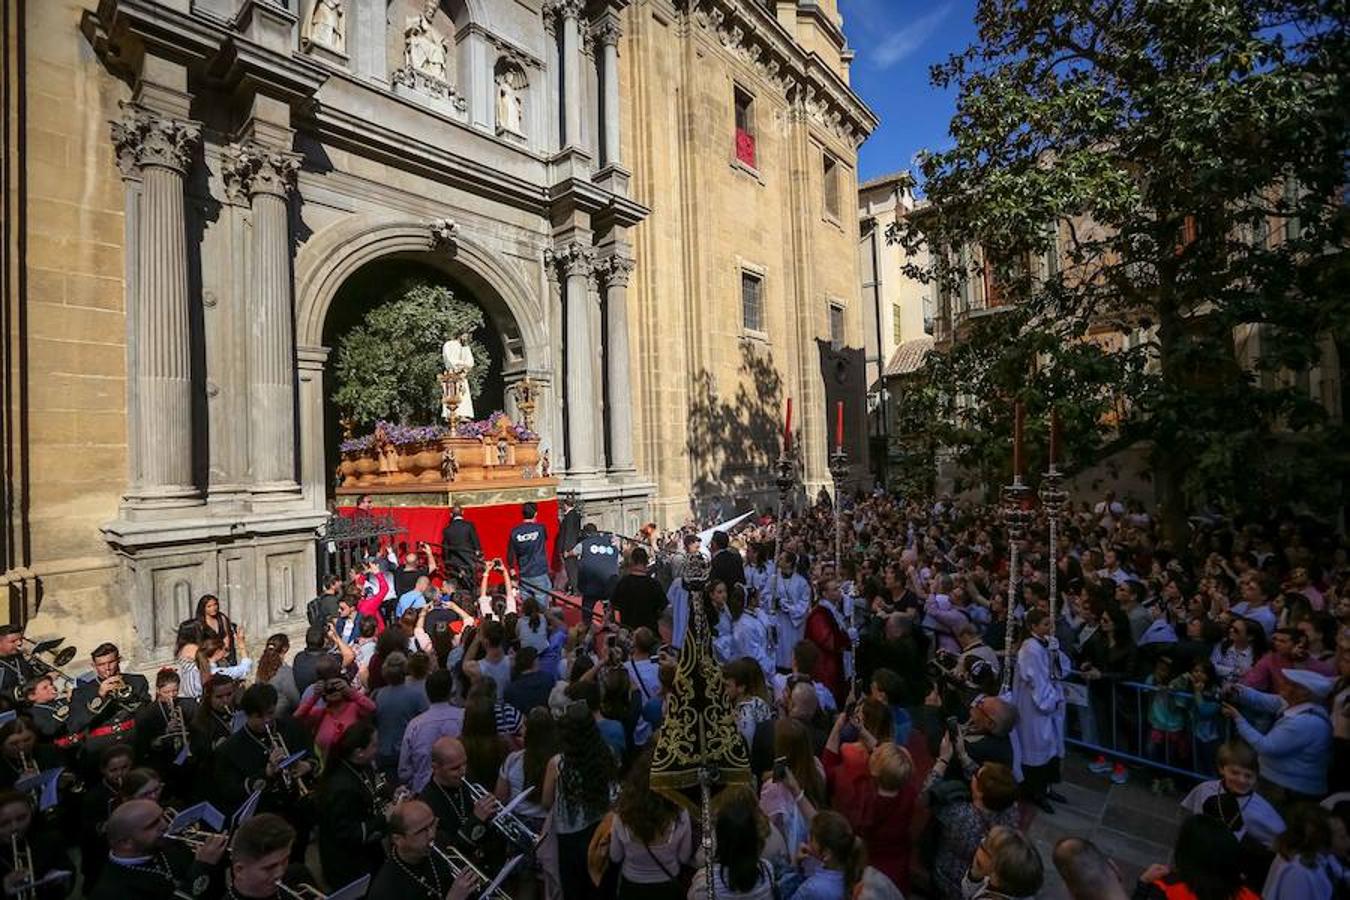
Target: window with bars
<point x="830" y="181"/>
<point x="752" y="301"/>
<point x="745" y="126"/>
<point x="836" y="326"/>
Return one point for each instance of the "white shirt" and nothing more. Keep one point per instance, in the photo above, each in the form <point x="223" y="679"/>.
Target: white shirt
<point x="1258" y="818"/>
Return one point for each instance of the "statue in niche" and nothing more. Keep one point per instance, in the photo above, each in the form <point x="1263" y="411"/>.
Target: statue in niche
<point x="425" y="49"/>
<point x="327" y="25"/>
<point x="511" y="86"/>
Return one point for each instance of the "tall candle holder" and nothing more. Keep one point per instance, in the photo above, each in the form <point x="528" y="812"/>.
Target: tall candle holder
<point x="1016" y="500"/>
<point x="838" y="472"/>
<point x="786" y="481"/>
<point x="1054" y="500"/>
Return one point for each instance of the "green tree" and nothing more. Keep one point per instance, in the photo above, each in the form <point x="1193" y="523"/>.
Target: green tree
<point x="1171" y="168"/>
<point x="389" y="366"/>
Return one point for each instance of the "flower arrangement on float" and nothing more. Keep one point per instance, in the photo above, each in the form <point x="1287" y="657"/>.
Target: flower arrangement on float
<point x="488" y="449"/>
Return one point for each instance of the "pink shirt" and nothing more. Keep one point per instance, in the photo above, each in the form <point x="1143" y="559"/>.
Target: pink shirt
<point x="1262" y="675"/>
<point x="328" y="724"/>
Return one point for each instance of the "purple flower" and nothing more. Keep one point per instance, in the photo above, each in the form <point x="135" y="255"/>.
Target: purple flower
<point x="355" y="444"/>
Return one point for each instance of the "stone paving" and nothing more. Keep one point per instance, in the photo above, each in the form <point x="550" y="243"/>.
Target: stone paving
<point x="1131" y="824"/>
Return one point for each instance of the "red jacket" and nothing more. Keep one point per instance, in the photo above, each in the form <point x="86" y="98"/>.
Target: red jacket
<point x="831" y="640"/>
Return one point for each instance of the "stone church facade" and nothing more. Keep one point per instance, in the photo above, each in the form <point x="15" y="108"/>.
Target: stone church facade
<point x="190" y="183"/>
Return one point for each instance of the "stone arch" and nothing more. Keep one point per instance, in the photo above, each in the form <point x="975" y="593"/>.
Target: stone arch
<point x="329" y="258"/>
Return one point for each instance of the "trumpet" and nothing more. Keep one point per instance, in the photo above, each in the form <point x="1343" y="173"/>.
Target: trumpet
<point x="301" y="892"/>
<point x="193" y="836"/>
<point x="459" y="863"/>
<point x="21" y="860"/>
<point x="508" y="824"/>
<point x="27" y="765"/>
<point x="290" y="781"/>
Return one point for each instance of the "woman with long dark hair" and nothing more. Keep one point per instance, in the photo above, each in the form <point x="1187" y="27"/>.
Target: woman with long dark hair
<point x="524" y="769"/>
<point x="485" y="748"/>
<point x="579" y="786"/>
<point x="1207" y="863"/>
<point x="274" y="670"/>
<point x="841" y="859"/>
<point x="1108" y="657"/>
<point x="351" y="815"/>
<point x="213" y="623"/>
<point x="1241" y="649"/>
<point x="652" y="839"/>
<point x="739" y="869"/>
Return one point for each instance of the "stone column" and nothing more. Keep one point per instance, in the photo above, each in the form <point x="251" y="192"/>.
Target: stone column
<point x="266" y="176"/>
<point x="607" y="33"/>
<point x="569" y="13"/>
<point x="158" y="149"/>
<point x="314" y="475"/>
<point x="577" y="262"/>
<point x="617" y="365"/>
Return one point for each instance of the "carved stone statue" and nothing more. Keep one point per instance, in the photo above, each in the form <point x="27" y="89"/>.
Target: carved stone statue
<point x="327" y="25"/>
<point x="511" y="86"/>
<point x="425" y="49"/>
<point x="458" y="359"/>
<point x="545" y="465"/>
<point x="449" y="465"/>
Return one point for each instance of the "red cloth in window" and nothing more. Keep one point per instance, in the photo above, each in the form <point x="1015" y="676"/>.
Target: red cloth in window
<point x="745" y="147"/>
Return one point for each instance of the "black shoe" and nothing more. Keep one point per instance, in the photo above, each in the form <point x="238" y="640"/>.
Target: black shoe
<point x="1056" y="796"/>
<point x="1043" y="804"/>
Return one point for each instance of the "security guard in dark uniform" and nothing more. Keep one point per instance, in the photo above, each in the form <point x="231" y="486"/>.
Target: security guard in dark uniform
<point x="104" y="708"/>
<point x="597" y="556"/>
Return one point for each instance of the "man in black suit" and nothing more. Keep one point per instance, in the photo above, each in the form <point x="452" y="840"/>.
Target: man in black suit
<point x="569" y="535"/>
<point x="727" y="565"/>
<point x="460" y="548"/>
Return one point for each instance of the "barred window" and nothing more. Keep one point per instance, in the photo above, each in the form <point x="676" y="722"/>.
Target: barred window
<point x="836" y="326"/>
<point x="752" y="301"/>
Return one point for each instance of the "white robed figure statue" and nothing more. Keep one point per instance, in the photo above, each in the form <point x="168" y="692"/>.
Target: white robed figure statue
<point x="458" y="359"/>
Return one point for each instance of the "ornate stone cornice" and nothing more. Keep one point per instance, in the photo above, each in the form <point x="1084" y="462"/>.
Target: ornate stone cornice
<point x="616" y="270"/>
<point x="563" y="9"/>
<point x="749" y="31"/>
<point x="518" y="55"/>
<point x="251" y="168"/>
<point x="145" y="138"/>
<point x="571" y="258"/>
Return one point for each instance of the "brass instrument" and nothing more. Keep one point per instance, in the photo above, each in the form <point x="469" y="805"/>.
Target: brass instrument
<point x="290" y="780"/>
<point x="507" y="823"/>
<point x="21" y="860"/>
<point x="193" y="836"/>
<point x="301" y="892"/>
<point x="459" y="863"/>
<point x="34" y="652"/>
<point x="27" y="765"/>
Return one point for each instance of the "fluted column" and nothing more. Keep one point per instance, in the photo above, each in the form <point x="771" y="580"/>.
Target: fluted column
<point x="158" y="150"/>
<point x="607" y="33"/>
<point x="265" y="176"/>
<point x="576" y="262"/>
<point x="617" y="366"/>
<point x="569" y="15"/>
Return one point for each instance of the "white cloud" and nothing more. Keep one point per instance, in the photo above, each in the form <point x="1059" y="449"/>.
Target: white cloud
<point x="899" y="44"/>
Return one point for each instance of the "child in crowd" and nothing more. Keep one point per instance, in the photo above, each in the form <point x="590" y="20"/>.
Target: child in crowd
<point x="1232" y="799"/>
<point x="1167" y="722"/>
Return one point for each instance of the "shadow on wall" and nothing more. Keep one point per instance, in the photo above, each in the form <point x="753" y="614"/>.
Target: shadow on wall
<point x="733" y="440"/>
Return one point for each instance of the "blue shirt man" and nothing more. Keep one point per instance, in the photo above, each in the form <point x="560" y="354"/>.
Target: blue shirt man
<point x="527" y="551"/>
<point x="414" y="599"/>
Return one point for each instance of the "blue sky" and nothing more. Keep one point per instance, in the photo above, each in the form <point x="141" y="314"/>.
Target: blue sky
<point x="896" y="42"/>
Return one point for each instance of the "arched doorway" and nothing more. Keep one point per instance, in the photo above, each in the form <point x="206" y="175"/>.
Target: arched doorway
<point x="384" y="279"/>
<point x="331" y="269"/>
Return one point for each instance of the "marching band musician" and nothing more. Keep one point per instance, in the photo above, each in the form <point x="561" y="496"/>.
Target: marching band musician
<point x="350" y="810"/>
<point x="97" y="806"/>
<point x="15" y="669"/>
<point x="248" y="760"/>
<point x="461" y="821"/>
<point x="213" y="723"/>
<point x="139" y="866"/>
<point x="414" y="871"/>
<point x="260" y="860"/>
<point x="20" y="752"/>
<point x="104" y="708"/>
<point x="162" y="730"/>
<point x="49" y="711"/>
<point x="29" y="850"/>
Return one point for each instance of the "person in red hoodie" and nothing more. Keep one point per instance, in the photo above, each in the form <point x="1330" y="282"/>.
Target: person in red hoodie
<point x="826" y="629"/>
<point x="376" y="587"/>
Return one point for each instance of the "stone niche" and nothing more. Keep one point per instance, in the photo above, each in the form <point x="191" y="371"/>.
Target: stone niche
<point x="423" y="55"/>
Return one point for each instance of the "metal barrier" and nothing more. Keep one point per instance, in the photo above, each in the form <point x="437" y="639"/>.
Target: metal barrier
<point x="1121" y="710"/>
<point x="347" y="540"/>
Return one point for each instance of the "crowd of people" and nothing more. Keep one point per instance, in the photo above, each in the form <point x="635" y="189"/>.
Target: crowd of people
<point x="453" y="720"/>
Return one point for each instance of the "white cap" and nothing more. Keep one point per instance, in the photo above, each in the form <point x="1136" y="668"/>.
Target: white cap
<point x="1316" y="684"/>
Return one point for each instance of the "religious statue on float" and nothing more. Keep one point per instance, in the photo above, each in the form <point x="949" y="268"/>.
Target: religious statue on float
<point x="456" y="403"/>
<point x="425" y="49"/>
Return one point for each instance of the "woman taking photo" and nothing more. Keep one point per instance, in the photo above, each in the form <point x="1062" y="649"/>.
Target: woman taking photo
<point x="331" y="709"/>
<point x="795" y="789"/>
<point x="579" y="786"/>
<point x="652" y="839"/>
<point x="1240" y="650"/>
<point x="351" y="816"/>
<point x="833" y="862"/>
